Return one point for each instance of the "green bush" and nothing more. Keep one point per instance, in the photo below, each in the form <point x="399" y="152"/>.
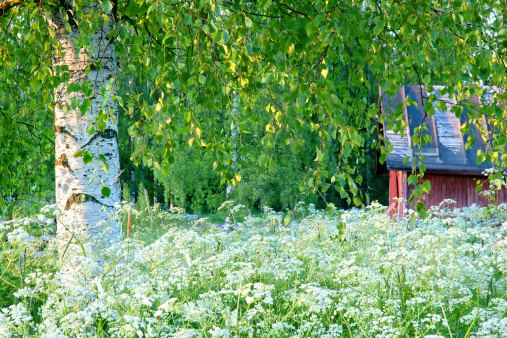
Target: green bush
<point x="195" y="186"/>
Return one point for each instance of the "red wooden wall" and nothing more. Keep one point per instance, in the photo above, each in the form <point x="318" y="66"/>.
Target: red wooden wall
<point x="460" y="188"/>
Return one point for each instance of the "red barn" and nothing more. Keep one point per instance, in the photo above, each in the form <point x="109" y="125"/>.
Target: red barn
<point x="451" y="168"/>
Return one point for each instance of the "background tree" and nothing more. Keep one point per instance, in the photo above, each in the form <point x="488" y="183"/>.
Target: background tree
<point x="26" y="131"/>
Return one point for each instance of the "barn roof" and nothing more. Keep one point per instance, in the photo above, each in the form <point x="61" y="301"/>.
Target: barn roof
<point x="446" y="151"/>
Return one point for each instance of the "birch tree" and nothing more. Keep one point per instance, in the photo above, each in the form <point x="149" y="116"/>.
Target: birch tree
<point x="86" y="116"/>
<point x="80" y="69"/>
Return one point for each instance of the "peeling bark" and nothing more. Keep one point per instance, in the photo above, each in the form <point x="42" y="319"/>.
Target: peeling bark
<point x="62" y="161"/>
<point x="83" y="223"/>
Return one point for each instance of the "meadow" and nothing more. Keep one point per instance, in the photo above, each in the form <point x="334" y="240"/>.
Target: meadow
<point x="355" y="273"/>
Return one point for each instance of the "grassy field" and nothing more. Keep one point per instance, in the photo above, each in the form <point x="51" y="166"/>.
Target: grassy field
<point x="341" y="274"/>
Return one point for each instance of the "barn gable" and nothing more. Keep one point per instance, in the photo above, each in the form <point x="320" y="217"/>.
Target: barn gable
<point x="451" y="168"/>
<point x="446" y="151"/>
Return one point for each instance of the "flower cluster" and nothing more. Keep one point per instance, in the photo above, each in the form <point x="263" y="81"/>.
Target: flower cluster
<point x="349" y="274"/>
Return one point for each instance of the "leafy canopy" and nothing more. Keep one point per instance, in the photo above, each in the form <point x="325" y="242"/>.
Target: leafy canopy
<point x="289" y="64"/>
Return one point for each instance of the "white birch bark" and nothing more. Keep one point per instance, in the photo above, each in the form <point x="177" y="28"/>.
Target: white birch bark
<point x="234" y="132"/>
<point x="82" y="224"/>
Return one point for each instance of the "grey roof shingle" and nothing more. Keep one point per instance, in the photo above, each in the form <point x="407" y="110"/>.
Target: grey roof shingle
<point x="447" y="150"/>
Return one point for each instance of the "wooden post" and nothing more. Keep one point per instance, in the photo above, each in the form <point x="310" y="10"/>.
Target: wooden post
<point x="390" y="210"/>
<point x="129" y="224"/>
<point x="398" y="188"/>
<point x="402" y="192"/>
<point x="393" y="192"/>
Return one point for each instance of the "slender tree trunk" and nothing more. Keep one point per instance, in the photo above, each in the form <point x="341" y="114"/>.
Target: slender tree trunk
<point x="83" y="226"/>
<point x="171" y="205"/>
<point x="132" y="144"/>
<point x="149" y="208"/>
<point x="132" y="176"/>
<point x="234" y="132"/>
<point x="155" y="191"/>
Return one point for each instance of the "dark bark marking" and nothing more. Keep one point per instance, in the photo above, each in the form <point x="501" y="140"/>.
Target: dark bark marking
<point x="62" y="130"/>
<point x="107" y="134"/>
<point x="82" y="198"/>
<point x="64" y="162"/>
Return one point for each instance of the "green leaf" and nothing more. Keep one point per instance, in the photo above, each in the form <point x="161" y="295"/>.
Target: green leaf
<point x="74" y="102"/>
<point x="103" y="101"/>
<point x="51" y="32"/>
<point x="85" y="106"/>
<point x="496" y="78"/>
<point x="73" y="87"/>
<point x="202" y="79"/>
<point x="35" y="84"/>
<point x="87" y="91"/>
<point x="106" y="192"/>
<point x="101" y="125"/>
<point x="357" y="201"/>
<point x="248" y="22"/>
<point x="480" y="156"/>
<point x="330" y="207"/>
<point x="105" y="166"/>
<point x="286" y="219"/>
<point x="107" y="6"/>
<point x="441" y="106"/>
<point x="423" y="214"/>
<point x="426" y="186"/>
<point x="87" y="159"/>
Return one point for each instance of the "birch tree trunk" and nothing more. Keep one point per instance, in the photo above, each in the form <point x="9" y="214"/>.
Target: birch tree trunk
<point x="83" y="226"/>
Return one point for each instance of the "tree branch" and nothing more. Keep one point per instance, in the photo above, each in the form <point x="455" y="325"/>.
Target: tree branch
<point x="293" y="10"/>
